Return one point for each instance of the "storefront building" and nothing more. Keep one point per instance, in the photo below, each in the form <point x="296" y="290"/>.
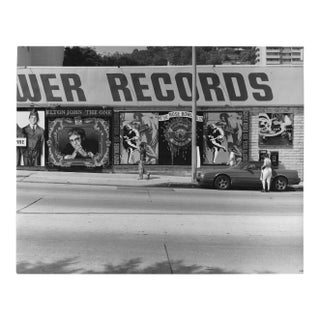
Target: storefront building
<point x="91" y="117"/>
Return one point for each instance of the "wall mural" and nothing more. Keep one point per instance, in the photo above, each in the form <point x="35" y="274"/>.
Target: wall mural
<point x="79" y="137"/>
<point x="225" y="137"/>
<point x="135" y="128"/>
<point x="275" y="129"/>
<point x="175" y="137"/>
<point x="30" y="149"/>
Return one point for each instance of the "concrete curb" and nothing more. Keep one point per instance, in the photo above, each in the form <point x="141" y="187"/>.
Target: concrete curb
<point x="112" y="179"/>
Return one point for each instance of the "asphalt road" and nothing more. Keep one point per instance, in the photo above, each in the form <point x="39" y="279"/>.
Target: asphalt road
<point x="103" y="229"/>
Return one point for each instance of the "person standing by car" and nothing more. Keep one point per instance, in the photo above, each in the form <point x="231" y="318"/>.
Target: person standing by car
<point x="266" y="173"/>
<point x="143" y="155"/>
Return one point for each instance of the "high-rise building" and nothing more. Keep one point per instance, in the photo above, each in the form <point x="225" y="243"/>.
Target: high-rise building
<point x="279" y="55"/>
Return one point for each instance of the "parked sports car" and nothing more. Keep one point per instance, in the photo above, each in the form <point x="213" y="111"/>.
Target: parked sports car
<point x="246" y="175"/>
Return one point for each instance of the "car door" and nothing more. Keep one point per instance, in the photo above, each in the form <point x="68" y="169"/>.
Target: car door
<point x="247" y="175"/>
<point x="253" y="174"/>
<point x="241" y="176"/>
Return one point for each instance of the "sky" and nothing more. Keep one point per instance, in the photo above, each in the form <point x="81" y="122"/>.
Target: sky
<point x="120" y="49"/>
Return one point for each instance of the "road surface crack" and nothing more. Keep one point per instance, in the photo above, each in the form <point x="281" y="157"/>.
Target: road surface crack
<point x="30" y="204"/>
<point x="169" y="262"/>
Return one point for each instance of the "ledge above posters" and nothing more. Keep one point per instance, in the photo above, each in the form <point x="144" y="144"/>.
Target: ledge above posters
<point x="167" y="86"/>
<point x="79" y="137"/>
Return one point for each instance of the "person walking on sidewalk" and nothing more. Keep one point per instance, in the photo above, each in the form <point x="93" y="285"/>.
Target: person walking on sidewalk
<point x="266" y="173"/>
<point x="143" y="155"/>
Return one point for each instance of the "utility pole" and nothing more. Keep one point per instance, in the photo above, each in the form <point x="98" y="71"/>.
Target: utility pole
<point x="194" y="117"/>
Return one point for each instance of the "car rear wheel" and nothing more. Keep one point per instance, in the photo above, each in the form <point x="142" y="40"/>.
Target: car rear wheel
<point x="222" y="182"/>
<point x="280" y="184"/>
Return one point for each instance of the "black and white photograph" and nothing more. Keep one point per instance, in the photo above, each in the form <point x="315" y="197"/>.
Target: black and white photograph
<point x="165" y="163"/>
<point x="141" y="176"/>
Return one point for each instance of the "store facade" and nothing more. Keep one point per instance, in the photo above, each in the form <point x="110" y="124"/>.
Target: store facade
<point x="257" y="108"/>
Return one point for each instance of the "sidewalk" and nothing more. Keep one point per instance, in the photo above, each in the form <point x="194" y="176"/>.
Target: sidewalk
<point x="111" y="179"/>
<point x="103" y="179"/>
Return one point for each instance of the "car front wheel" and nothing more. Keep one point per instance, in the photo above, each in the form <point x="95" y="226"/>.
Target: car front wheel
<point x="222" y="182"/>
<point x="280" y="184"/>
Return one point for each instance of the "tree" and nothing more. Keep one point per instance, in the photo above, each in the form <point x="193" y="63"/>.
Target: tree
<point x="151" y="56"/>
<point x="81" y="56"/>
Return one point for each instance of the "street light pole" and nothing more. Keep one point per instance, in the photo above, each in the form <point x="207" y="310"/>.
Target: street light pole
<point x="194" y="117"/>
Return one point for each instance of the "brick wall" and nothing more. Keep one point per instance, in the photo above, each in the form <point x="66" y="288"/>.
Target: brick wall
<point x="291" y="157"/>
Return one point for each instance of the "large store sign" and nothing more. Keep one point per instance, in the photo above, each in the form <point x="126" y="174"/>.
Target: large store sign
<point x="161" y="86"/>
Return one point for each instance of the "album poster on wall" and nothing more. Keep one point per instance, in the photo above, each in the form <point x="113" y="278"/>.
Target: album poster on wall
<point x="30" y="138"/>
<point x="175" y="131"/>
<point x="135" y="128"/>
<point x="79" y="137"/>
<point x="225" y="132"/>
<point x="276" y="129"/>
